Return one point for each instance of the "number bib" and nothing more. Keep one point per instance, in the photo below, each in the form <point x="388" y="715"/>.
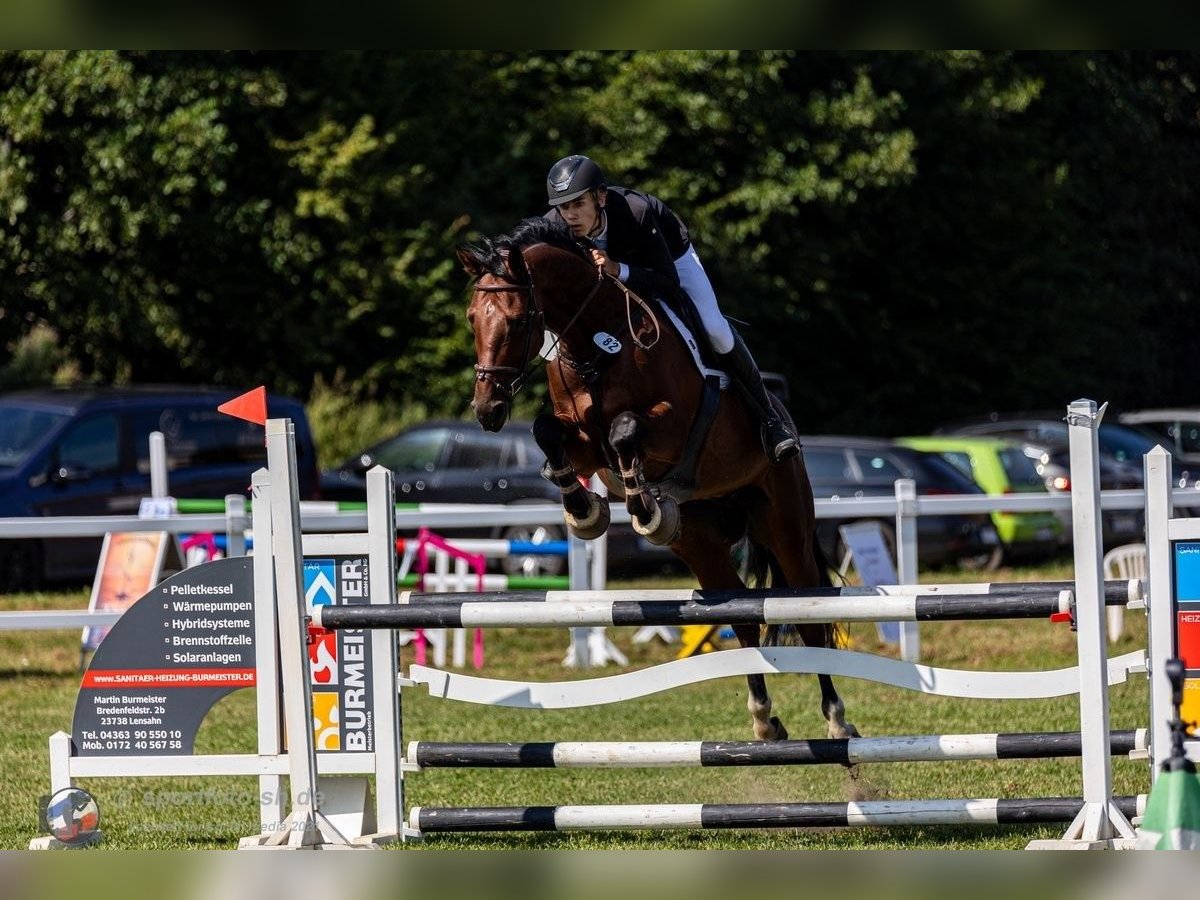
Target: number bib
<point x="606" y="342"/>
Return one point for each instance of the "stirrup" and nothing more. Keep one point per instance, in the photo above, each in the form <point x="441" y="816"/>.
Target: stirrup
<point x="780" y="443"/>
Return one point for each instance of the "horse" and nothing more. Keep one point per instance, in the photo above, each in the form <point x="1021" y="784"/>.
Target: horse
<point x="630" y="403"/>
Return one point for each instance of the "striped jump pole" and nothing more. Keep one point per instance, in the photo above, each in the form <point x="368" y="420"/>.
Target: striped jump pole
<point x="714" y="754"/>
<point x="1027" y="811"/>
<point x="550" y="609"/>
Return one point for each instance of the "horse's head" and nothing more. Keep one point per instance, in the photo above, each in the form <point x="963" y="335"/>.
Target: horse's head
<point x="508" y="329"/>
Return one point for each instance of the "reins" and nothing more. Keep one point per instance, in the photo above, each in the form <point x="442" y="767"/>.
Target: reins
<point x="534" y="313"/>
<point x="630" y="299"/>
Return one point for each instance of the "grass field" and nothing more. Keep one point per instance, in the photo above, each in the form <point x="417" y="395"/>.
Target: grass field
<point x="39" y="678"/>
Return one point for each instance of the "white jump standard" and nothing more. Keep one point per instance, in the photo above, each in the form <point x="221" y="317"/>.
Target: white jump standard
<point x="1097" y="819"/>
<point x="294" y="570"/>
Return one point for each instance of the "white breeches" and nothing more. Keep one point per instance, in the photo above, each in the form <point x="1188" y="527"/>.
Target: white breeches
<point x="694" y="280"/>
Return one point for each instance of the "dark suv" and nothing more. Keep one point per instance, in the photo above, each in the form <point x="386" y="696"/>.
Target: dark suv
<point x="85" y="451"/>
<point x="849" y="467"/>
<point x="457" y="462"/>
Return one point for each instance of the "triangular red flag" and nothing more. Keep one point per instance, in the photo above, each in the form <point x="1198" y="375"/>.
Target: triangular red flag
<point x="251" y="406"/>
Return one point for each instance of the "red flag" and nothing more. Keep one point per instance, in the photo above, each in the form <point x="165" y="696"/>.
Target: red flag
<point x="251" y="406"/>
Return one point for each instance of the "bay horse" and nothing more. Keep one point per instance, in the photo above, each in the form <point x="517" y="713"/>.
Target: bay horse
<point x="629" y="400"/>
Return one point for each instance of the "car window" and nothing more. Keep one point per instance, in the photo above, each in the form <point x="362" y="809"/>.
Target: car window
<point x="1020" y="469"/>
<point x="1124" y="444"/>
<point x="93" y="445"/>
<point x="527" y="454"/>
<point x="876" y="466"/>
<point x="413" y="451"/>
<point x="1189" y="437"/>
<point x="197" y="437"/>
<point x="23" y="430"/>
<point x="935" y="473"/>
<point x="1160" y="427"/>
<point x="481" y="450"/>
<point x="827" y="464"/>
<point x="1049" y="432"/>
<point x="961" y="460"/>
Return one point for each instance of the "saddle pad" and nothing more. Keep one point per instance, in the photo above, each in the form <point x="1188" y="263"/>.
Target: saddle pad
<point x="690" y="341"/>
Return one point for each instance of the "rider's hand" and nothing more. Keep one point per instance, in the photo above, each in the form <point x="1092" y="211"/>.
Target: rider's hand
<point x="604" y="264"/>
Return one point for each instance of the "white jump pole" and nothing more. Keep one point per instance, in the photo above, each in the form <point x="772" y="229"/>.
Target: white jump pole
<point x="1100" y="824"/>
<point x="906" y="560"/>
<point x="305" y="827"/>
<point x="1161" y="633"/>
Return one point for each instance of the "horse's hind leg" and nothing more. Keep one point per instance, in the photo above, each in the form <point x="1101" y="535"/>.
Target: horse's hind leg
<point x="586" y="513"/>
<point x="766" y="726"/>
<point x="657" y="521"/>
<point x="790" y="534"/>
<point x="832" y="707"/>
<point x="711" y="529"/>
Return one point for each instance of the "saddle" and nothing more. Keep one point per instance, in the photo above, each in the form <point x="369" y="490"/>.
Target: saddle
<point x="679" y="484"/>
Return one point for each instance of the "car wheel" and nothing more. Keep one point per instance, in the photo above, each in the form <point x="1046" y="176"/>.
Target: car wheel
<point x="988" y="561"/>
<point x="533" y="565"/>
<point x="20" y="566"/>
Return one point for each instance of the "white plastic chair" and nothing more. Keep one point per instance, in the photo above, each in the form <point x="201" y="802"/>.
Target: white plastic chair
<point x="1126" y="561"/>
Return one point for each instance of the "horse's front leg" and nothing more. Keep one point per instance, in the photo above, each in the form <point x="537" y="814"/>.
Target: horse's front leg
<point x="657" y="522"/>
<point x="585" y="512"/>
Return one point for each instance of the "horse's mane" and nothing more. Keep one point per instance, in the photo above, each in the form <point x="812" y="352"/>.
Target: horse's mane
<point x="490" y="253"/>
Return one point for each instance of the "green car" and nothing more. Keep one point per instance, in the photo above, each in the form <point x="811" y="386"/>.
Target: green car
<point x="1001" y="467"/>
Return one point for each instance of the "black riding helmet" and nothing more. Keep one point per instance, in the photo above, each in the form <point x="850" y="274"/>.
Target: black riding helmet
<point x="571" y="177"/>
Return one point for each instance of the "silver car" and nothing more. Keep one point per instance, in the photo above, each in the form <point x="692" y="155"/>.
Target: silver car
<point x="1177" y="428"/>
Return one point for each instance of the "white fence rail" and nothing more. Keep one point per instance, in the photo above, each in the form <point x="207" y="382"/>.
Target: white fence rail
<point x="469" y="515"/>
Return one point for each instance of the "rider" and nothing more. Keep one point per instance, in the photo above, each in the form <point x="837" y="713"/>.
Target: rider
<point x="637" y="239"/>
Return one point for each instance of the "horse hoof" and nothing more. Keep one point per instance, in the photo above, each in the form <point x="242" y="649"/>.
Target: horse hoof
<point x="771" y="730"/>
<point x="663" y="527"/>
<point x="845" y="730"/>
<point x="594" y="524"/>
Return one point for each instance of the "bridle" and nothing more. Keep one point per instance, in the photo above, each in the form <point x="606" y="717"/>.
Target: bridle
<point x="534" y="321"/>
<point x="531" y="316"/>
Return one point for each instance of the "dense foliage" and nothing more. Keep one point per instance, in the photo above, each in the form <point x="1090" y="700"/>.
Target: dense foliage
<point x="908" y="236"/>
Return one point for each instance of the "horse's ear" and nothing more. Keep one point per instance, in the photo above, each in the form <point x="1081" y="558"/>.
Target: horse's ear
<point x="469" y="260"/>
<point x="516" y="264"/>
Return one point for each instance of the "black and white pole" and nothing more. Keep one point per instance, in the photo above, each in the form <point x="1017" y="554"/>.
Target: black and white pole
<point x="550" y="609"/>
<point x="1027" y="811"/>
<point x="724" y="754"/>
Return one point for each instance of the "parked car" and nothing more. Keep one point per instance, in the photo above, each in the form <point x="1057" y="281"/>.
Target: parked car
<point x="1121" y="451"/>
<point x="1177" y="429"/>
<point x="845" y="467"/>
<point x="458" y="462"/>
<point x="86" y="452"/>
<point x="1001" y="467"/>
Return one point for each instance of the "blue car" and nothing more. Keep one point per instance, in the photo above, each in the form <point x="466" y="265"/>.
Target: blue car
<point x="85" y="452"/>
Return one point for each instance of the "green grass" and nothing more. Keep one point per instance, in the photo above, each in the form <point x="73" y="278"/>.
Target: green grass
<point x="39" y="677"/>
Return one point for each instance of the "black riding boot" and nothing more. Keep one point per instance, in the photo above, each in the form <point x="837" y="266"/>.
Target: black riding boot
<point x="780" y="443"/>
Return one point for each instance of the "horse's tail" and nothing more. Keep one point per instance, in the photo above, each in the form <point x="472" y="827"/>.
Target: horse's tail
<point x="761" y="562"/>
